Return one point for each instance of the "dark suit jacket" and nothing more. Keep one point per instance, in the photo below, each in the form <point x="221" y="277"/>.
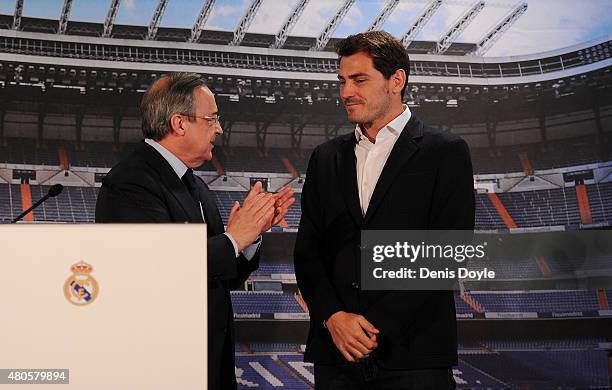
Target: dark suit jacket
<point x="426" y="183"/>
<point x="145" y="188"/>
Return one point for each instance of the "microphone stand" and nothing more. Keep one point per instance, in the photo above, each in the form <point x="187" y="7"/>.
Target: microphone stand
<point x="52" y="193"/>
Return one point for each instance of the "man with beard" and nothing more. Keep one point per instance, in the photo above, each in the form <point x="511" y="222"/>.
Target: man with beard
<point x="392" y="173"/>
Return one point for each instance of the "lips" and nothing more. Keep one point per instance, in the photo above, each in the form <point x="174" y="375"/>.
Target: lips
<point x="351" y="104"/>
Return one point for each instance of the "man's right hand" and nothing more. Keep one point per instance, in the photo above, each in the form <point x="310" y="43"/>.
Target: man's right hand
<point x="353" y="335"/>
<point x="246" y="223"/>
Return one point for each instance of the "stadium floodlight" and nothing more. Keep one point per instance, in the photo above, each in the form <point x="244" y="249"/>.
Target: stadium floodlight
<point x="331" y="26"/>
<point x="110" y="18"/>
<point x="420" y="22"/>
<point x="198" y="26"/>
<point x="63" y="21"/>
<point x="156" y="19"/>
<point x="384" y="14"/>
<point x="498" y="30"/>
<point x="245" y="23"/>
<point x="458" y="27"/>
<point x="17" y="15"/>
<point x="292" y="19"/>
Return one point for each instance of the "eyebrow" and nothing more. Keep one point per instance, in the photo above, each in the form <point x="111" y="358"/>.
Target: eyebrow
<point x="354" y="76"/>
<point x="216" y="113"/>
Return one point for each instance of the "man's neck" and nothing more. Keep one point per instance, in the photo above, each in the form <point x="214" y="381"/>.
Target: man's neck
<point x="371" y="130"/>
<point x="172" y="148"/>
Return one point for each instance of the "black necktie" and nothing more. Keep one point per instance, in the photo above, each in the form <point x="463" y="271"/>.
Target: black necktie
<point x="190" y="183"/>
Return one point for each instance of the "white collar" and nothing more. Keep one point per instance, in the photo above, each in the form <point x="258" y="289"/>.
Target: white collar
<point x="395" y="127"/>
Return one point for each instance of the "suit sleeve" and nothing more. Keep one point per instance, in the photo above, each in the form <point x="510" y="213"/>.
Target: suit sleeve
<point x="452" y="209"/>
<point x="310" y="272"/>
<point x="244" y="268"/>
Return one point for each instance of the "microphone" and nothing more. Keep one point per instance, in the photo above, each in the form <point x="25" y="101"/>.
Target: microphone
<point x="54" y="191"/>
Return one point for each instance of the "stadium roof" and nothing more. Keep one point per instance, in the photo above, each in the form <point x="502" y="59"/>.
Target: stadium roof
<point x="440" y="26"/>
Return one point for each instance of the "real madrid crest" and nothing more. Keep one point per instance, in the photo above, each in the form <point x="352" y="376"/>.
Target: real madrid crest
<point x="81" y="288"/>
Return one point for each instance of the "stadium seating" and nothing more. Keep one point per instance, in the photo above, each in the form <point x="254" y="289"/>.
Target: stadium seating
<point x="542" y="207"/>
<point x="295" y="212"/>
<point x="94" y="154"/>
<point x="541" y="344"/>
<point x="250" y="160"/>
<point x="529" y="368"/>
<point x="535" y="301"/>
<point x="25" y="151"/>
<point x="239" y="159"/>
<point x="267" y="269"/>
<point x="303" y="369"/>
<point x="274" y="347"/>
<point x="225" y="201"/>
<point x="544" y="369"/>
<point x="10" y="202"/>
<point x="506" y="268"/>
<point x="265" y="372"/>
<point x="74" y="204"/>
<point x="528" y="208"/>
<point x="538" y="301"/>
<point x="264" y="302"/>
<point x="600" y="200"/>
<point x="553" y="154"/>
<point x="461" y="307"/>
<point x="487" y="217"/>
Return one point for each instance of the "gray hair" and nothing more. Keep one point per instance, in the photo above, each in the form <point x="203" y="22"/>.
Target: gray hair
<point x="169" y="95"/>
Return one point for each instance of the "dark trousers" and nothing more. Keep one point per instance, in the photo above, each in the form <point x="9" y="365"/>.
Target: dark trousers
<point x="367" y="375"/>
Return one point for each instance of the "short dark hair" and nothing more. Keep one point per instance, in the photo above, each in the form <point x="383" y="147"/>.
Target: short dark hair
<point x="171" y="94"/>
<point x="387" y="53"/>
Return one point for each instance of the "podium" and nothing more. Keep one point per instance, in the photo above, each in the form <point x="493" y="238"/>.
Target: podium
<point x="120" y="306"/>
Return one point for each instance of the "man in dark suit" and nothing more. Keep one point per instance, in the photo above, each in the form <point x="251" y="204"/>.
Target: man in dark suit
<point x="156" y="184"/>
<point x="392" y="172"/>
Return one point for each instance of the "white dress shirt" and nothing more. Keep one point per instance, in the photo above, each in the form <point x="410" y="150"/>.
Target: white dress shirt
<point x="372" y="157"/>
<point x="180" y="169"/>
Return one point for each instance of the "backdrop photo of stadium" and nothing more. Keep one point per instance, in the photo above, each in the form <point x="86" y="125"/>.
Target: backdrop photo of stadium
<point x="538" y="122"/>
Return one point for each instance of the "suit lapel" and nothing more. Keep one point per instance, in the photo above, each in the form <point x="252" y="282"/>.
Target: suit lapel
<point x="401" y="153"/>
<point x="347" y="173"/>
<point x="173" y="183"/>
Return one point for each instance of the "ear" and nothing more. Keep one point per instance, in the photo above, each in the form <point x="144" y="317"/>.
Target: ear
<point x="399" y="79"/>
<point x="176" y="124"/>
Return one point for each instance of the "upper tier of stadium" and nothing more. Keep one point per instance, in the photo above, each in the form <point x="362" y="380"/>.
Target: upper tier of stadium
<point x="85" y="47"/>
<point x="280" y="36"/>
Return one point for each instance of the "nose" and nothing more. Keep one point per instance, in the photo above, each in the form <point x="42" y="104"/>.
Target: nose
<point x="219" y="129"/>
<point x="346" y="90"/>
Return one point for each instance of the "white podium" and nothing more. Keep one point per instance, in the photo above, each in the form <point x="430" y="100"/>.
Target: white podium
<point x="120" y="306"/>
